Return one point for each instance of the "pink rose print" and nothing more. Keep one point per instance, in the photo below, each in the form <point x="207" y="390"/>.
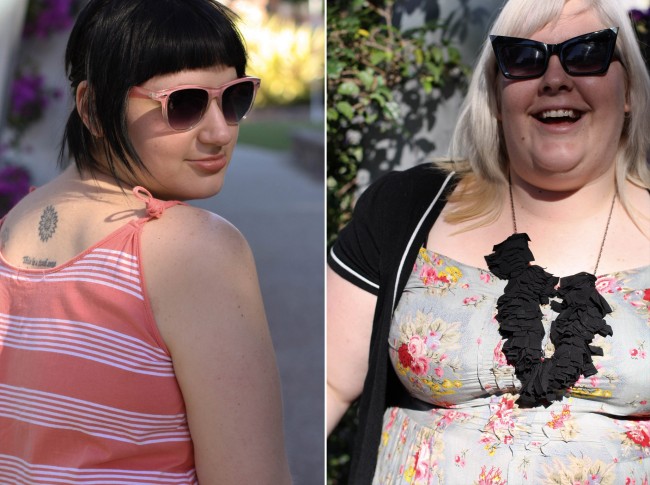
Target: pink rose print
<point x="428" y="275"/>
<point x="559" y="419"/>
<point x="499" y="357"/>
<point x="485" y="277"/>
<point x="607" y="284"/>
<point x="493" y="476"/>
<point x="417" y="346"/>
<point x="470" y="300"/>
<point x="632" y="481"/>
<point x="638" y="352"/>
<point x="420" y="366"/>
<point x="404" y="357"/>
<point x="422" y="460"/>
<point x="640" y="434"/>
<point x="646" y="294"/>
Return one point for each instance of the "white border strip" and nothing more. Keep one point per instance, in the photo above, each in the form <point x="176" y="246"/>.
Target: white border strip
<point x="350" y="270"/>
<point x="415" y="231"/>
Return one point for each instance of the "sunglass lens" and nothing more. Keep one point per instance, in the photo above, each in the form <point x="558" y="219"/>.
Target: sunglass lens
<point x="186" y="107"/>
<point x="522" y="60"/>
<point x="586" y="57"/>
<point x="236" y="101"/>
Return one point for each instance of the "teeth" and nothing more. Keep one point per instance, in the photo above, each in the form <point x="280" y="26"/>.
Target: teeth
<point x="559" y="113"/>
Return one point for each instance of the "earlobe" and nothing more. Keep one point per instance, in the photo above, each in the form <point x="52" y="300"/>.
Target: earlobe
<point x="81" y="102"/>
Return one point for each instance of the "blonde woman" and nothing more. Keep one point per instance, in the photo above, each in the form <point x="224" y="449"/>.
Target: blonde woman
<point x="491" y="313"/>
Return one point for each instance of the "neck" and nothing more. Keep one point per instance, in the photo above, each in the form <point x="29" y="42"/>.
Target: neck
<point x="534" y="205"/>
<point x="95" y="185"/>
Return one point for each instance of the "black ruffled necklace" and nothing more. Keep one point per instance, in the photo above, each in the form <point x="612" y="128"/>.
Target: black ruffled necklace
<point x="581" y="311"/>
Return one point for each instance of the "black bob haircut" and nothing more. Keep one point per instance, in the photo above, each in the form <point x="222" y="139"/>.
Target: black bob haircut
<point x="117" y="44"/>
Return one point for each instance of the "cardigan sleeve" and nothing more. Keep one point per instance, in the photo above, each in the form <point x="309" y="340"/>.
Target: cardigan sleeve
<point x="355" y="256"/>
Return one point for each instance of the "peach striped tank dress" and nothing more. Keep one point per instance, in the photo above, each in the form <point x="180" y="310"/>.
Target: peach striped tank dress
<point x="88" y="392"/>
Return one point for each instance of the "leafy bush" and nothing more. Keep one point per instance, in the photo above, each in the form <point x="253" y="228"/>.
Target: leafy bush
<point x="379" y="80"/>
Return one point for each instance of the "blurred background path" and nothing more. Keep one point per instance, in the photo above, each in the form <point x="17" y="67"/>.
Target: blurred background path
<point x="277" y="202"/>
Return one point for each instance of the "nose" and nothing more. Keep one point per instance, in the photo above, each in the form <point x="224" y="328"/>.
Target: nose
<point x="556" y="78"/>
<point x="213" y="128"/>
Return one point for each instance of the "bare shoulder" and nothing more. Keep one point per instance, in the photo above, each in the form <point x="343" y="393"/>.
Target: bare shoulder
<point x="194" y="239"/>
<point x="197" y="263"/>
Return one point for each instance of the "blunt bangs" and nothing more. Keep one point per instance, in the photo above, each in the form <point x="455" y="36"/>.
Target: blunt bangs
<point x="172" y="37"/>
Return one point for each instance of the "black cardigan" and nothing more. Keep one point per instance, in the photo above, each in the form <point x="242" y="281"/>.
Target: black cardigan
<point x="390" y="224"/>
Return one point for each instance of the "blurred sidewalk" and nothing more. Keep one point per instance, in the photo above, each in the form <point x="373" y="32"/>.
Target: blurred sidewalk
<point x="279" y="208"/>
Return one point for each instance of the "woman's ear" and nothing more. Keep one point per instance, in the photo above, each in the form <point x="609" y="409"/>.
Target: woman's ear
<point x="81" y="101"/>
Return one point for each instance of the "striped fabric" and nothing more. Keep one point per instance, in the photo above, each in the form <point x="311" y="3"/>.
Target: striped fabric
<point x="87" y="388"/>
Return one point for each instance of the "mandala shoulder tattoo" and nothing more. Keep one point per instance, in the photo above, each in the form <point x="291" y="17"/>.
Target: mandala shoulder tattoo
<point x="47" y="225"/>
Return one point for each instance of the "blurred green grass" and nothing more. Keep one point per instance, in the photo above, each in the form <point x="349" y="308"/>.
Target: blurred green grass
<point x="274" y="134"/>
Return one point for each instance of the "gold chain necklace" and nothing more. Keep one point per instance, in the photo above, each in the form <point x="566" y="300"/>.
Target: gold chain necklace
<point x="602" y="243"/>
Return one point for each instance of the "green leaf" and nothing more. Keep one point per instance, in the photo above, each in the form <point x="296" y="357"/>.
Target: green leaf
<point x="436" y="53"/>
<point x="391" y="109"/>
<point x="419" y="57"/>
<point x="377" y="57"/>
<point x="345" y="109"/>
<point x="348" y="88"/>
<point x="367" y="78"/>
<point x="357" y="153"/>
<point x="332" y="114"/>
<point x="334" y="68"/>
<point x="427" y="85"/>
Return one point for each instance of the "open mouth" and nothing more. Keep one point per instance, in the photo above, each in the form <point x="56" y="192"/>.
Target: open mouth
<point x="558" y="116"/>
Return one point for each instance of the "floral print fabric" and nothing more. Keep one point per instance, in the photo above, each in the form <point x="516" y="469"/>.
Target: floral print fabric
<point x="445" y="347"/>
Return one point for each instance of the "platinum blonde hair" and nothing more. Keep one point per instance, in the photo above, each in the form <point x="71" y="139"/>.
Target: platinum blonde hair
<point x="477" y="148"/>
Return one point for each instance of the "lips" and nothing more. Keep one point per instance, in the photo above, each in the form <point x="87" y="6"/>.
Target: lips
<point x="558" y="115"/>
<point x="210" y="164"/>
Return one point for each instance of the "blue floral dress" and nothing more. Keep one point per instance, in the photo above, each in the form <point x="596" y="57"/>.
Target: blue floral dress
<point x="446" y="348"/>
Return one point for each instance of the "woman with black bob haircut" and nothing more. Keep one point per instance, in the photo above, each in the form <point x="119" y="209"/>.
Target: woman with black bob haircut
<point x="134" y="346"/>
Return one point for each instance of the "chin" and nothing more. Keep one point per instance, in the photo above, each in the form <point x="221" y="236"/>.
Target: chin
<point x="203" y="189"/>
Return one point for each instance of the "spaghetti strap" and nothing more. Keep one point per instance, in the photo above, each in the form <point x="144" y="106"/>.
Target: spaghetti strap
<point x="155" y="207"/>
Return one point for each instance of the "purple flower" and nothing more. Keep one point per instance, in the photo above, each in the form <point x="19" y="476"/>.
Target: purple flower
<point x="14" y="185"/>
<point x="27" y="95"/>
<point x="47" y="16"/>
<point x="29" y="98"/>
<point x="638" y="16"/>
